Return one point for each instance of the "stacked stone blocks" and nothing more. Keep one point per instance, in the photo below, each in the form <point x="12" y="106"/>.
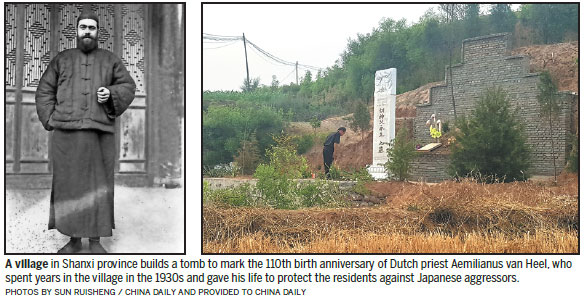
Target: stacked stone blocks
<point x="486" y="63"/>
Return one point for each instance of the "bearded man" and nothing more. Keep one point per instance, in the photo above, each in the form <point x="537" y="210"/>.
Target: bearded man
<point x="78" y="97"/>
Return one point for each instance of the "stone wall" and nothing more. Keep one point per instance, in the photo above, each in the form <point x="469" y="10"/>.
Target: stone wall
<point x="230" y="183"/>
<point x="486" y="63"/>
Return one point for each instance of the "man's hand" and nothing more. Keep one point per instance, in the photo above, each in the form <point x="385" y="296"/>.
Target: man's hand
<point x="103" y="95"/>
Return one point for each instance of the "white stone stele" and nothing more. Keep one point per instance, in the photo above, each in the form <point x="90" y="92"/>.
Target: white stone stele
<point x="383" y="120"/>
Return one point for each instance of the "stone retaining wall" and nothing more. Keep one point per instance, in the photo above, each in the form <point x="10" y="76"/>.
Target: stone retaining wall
<point x="224" y="183"/>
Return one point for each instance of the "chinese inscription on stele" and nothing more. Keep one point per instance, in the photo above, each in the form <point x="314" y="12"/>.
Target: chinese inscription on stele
<point x="383" y="120"/>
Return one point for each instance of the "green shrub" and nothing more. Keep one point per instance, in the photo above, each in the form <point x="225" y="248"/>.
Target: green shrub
<point x="285" y="160"/>
<point x="305" y="172"/>
<point x="362" y="175"/>
<point x="275" y="183"/>
<point x="206" y="191"/>
<point x="320" y="193"/>
<point x="304" y="143"/>
<point x="276" y="186"/>
<point x="277" y="191"/>
<point x="271" y="184"/>
<point x="360" y="188"/>
<point x="491" y="145"/>
<point x="310" y="194"/>
<point x="401" y="153"/>
<point x="335" y="173"/>
<point x="238" y="196"/>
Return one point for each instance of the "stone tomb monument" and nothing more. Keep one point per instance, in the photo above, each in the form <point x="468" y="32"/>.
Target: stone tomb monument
<point x="383" y="120"/>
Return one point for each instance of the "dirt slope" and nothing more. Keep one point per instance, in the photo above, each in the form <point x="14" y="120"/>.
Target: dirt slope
<point x="560" y="59"/>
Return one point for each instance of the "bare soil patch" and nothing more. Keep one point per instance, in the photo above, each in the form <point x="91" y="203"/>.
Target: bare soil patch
<point x="560" y="59"/>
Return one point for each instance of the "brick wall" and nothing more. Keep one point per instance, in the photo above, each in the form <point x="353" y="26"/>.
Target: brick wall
<point x="431" y="166"/>
<point x="486" y="63"/>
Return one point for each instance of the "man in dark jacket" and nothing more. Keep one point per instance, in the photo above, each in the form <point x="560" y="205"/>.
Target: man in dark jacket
<point x="78" y="97"/>
<point x="329" y="149"/>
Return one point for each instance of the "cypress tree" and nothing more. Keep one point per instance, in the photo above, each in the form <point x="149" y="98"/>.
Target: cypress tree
<point x="491" y="145"/>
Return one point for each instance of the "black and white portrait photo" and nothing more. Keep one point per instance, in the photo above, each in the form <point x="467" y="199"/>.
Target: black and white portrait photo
<point x="94" y="128"/>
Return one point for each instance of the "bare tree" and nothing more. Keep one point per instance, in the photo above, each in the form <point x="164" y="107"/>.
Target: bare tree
<point x="451" y="13"/>
<point x="549" y="107"/>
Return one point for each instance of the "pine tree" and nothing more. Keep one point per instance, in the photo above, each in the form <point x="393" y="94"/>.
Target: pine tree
<point x="491" y="145"/>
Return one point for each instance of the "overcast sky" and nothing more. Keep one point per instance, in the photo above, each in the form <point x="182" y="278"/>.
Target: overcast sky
<point x="312" y="34"/>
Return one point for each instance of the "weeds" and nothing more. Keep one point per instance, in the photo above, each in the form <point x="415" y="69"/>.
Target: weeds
<point x="275" y="192"/>
<point x="354" y="175"/>
<point x="239" y="196"/>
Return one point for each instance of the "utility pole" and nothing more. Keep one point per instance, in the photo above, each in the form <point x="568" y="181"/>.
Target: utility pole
<point x="296" y="72"/>
<point x="246" y="67"/>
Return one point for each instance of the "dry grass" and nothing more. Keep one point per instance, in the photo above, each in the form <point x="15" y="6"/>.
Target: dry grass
<point x="465" y="217"/>
<point x="551" y="241"/>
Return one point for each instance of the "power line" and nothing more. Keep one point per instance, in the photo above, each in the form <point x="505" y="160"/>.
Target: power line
<point x="221" y="45"/>
<point x="281" y="61"/>
<point x="310" y="67"/>
<point x="269" y="55"/>
<point x="260" y="55"/>
<point x="219" y="37"/>
<point x="291" y="72"/>
<point x="216" y="42"/>
<point x="223" y="39"/>
<point x="274" y="58"/>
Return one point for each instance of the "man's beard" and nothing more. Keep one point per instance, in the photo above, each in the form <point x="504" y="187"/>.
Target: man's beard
<point x="86" y="45"/>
